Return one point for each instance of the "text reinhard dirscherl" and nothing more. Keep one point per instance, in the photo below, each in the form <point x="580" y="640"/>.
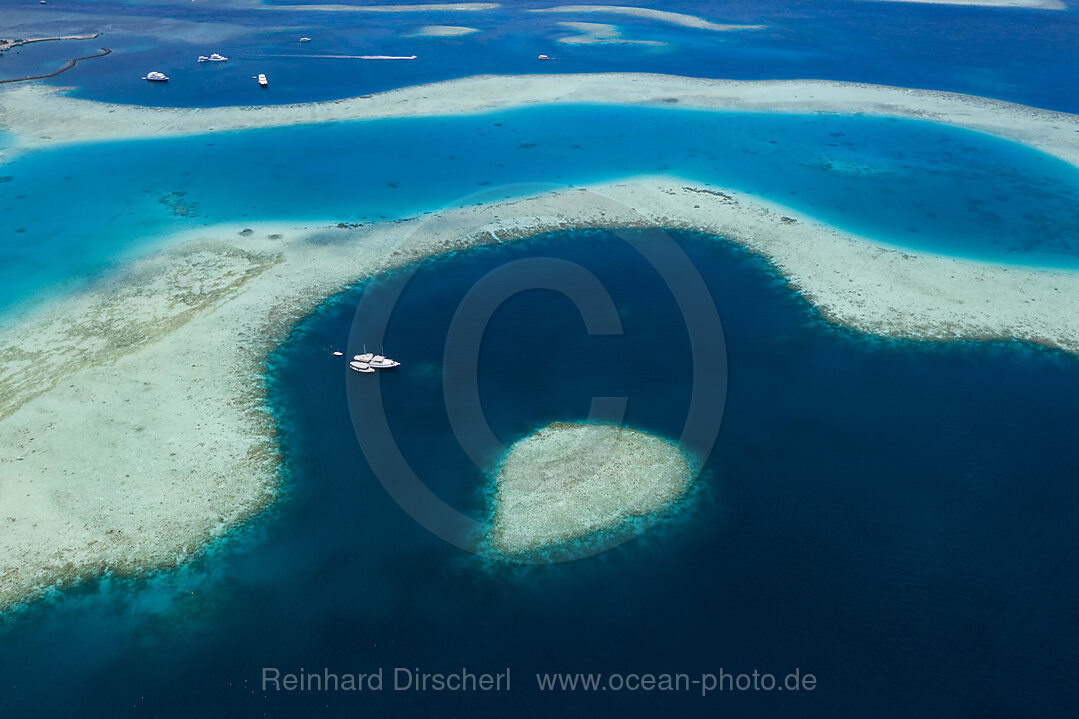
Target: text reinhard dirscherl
<point x="404" y="679"/>
<point x="399" y="679"/>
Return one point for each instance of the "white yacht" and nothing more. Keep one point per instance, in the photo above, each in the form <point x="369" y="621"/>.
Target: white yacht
<point x="305" y="39"/>
<point x="338" y="353"/>
<point x="380" y="362"/>
<point x="365" y="357"/>
<point x="360" y="367"/>
<point x="262" y="79"/>
<point x="213" y="58"/>
<point x="156" y="77"/>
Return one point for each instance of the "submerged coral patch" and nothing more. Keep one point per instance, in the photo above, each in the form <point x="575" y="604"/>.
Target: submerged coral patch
<point x="567" y="481"/>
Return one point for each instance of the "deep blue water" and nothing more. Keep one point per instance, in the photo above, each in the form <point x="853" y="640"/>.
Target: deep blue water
<point x="71" y="212"/>
<point x="896" y="518"/>
<point x="1019" y="55"/>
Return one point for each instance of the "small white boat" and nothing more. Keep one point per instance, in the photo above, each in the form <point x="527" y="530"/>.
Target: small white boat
<point x="156" y="77"/>
<point x="360" y="367"/>
<point x="543" y="57"/>
<point x="262" y="79"/>
<point x="213" y="58"/>
<point x="365" y="357"/>
<point x="305" y="39"/>
<point x="380" y="362"/>
<point x="338" y="354"/>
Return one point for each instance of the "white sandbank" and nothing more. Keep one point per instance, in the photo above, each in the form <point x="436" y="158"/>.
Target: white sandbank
<point x="426" y="7"/>
<point x="444" y="31"/>
<point x="40" y="115"/>
<point x="672" y="18"/>
<point x="1029" y="4"/>
<point x="566" y="481"/>
<point x="133" y="426"/>
<point x="598" y="33"/>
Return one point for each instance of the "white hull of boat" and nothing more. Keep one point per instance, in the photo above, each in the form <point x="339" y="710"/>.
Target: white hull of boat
<point x="380" y="362"/>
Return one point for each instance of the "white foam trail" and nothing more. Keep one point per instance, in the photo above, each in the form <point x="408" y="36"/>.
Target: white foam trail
<point x="353" y="57"/>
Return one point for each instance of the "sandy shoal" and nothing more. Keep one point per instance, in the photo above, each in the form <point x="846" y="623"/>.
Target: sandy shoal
<point x="1028" y="4"/>
<point x="665" y="16"/>
<point x="598" y="33"/>
<point x="567" y="481"/>
<point x="444" y="31"/>
<point x="40" y="116"/>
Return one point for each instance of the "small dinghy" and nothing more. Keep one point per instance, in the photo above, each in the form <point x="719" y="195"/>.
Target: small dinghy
<point x="360" y="367"/>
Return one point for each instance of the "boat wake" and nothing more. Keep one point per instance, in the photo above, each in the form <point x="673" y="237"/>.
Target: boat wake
<point x="351" y="57"/>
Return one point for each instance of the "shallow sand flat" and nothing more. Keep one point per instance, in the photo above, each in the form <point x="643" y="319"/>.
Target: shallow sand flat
<point x="566" y="481"/>
<point x="672" y="18"/>
<point x="40" y="115"/>
<point x="598" y="33"/>
<point x="145" y="433"/>
<point x="1030" y="4"/>
<point x="444" y="31"/>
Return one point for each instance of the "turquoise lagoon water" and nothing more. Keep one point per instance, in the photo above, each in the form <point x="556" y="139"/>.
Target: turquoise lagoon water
<point x="71" y="212"/>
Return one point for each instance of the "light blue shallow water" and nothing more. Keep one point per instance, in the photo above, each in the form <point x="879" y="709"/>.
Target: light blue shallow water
<point x="68" y="213"/>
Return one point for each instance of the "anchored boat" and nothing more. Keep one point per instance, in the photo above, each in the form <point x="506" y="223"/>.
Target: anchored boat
<point x="156" y="77"/>
<point x="369" y="362"/>
<point x="380" y="362"/>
